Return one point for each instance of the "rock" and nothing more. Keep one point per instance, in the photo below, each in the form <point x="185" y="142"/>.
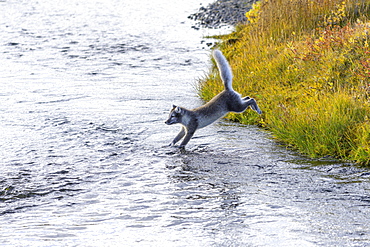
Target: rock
<point x="222" y="13"/>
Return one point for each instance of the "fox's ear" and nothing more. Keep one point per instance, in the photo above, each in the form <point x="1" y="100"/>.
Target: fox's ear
<point x="178" y="109"/>
<point x="174" y="106"/>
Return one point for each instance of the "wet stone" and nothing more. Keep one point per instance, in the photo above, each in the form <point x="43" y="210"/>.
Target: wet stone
<point x="221" y="13"/>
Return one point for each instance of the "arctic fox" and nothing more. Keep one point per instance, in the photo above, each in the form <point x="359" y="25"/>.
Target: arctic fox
<point x="226" y="101"/>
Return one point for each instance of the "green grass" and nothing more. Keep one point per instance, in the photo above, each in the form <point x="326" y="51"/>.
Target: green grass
<point x="307" y="63"/>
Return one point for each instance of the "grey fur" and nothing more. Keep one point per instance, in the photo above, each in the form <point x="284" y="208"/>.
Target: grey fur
<point x="226" y="101"/>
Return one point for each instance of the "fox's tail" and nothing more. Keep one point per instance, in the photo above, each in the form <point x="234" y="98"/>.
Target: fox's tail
<point x="224" y="68"/>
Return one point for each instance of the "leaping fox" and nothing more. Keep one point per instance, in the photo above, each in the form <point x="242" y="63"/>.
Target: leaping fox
<point x="226" y="101"/>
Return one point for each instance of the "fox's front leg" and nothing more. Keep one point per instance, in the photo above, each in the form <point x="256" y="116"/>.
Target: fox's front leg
<point x="190" y="130"/>
<point x="189" y="135"/>
<point x="179" y="136"/>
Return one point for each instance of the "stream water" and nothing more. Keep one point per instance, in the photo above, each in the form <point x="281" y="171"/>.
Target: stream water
<point x="86" y="86"/>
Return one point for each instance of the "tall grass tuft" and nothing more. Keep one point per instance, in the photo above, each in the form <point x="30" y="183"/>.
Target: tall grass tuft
<point x="320" y="125"/>
<point x="307" y="63"/>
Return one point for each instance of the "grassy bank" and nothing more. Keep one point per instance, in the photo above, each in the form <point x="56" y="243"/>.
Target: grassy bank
<point x="307" y="63"/>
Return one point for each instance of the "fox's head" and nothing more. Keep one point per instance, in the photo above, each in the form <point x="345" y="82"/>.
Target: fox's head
<point x="175" y="115"/>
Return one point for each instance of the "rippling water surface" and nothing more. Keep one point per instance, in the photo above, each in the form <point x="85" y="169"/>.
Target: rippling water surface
<point x="86" y="86"/>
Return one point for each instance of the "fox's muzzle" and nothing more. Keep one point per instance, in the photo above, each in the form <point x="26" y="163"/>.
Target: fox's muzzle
<point x="168" y="122"/>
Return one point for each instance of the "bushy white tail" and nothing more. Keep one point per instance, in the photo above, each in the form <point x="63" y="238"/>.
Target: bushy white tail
<point x="224" y="68"/>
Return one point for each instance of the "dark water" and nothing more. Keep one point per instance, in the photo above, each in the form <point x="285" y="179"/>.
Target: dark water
<point x="85" y="89"/>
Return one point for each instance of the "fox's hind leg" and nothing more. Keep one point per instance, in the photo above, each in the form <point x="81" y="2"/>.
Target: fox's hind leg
<point x="252" y="103"/>
<point x="243" y="104"/>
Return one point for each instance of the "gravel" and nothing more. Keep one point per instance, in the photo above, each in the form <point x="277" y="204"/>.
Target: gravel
<point x="222" y="13"/>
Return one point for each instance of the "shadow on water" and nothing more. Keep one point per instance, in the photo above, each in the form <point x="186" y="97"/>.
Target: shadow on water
<point x="263" y="187"/>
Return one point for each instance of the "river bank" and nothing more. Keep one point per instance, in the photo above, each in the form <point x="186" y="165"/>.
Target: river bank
<point x="307" y="65"/>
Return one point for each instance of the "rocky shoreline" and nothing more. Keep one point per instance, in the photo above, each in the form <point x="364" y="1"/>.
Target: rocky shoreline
<point x="222" y="13"/>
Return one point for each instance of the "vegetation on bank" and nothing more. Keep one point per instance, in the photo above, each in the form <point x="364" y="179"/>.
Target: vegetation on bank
<point x="307" y="63"/>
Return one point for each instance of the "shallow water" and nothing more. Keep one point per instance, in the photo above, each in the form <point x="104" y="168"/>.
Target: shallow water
<point x="86" y="88"/>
